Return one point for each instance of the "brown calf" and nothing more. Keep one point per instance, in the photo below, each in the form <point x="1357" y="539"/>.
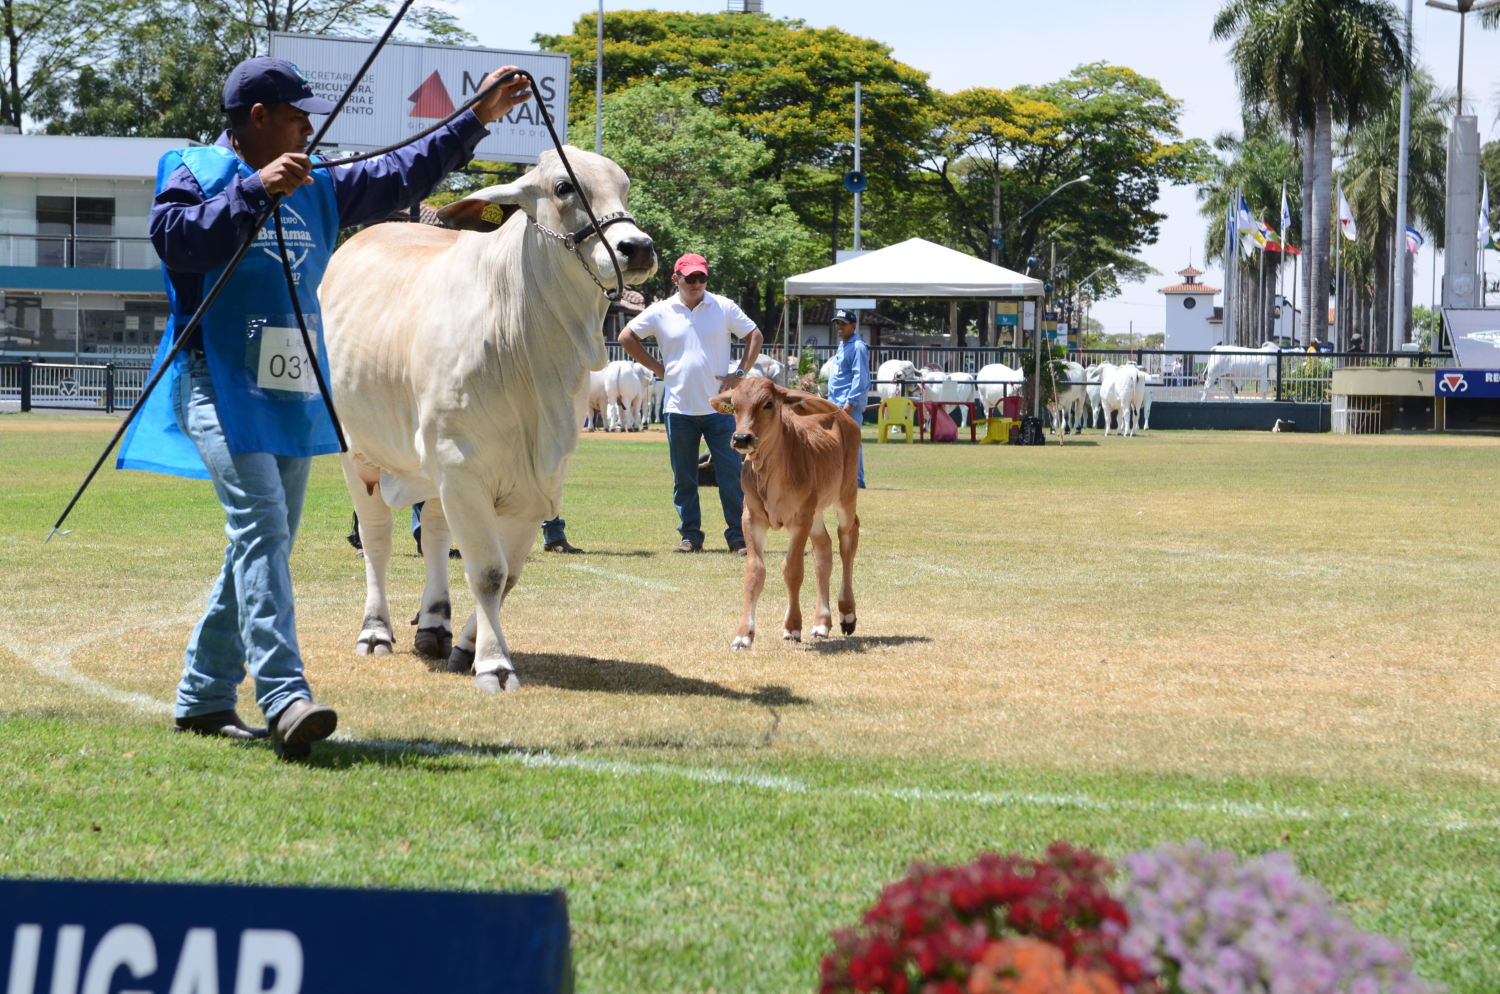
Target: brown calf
<point x="801" y="455"/>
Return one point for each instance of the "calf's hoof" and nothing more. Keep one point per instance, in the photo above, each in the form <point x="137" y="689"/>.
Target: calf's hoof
<point x="435" y="643"/>
<point x="792" y="636"/>
<point x="820" y="631"/>
<point x="741" y="642"/>
<point x="461" y="660"/>
<point x="497" y="681"/>
<point x="373" y="644"/>
<point x="846" y="624"/>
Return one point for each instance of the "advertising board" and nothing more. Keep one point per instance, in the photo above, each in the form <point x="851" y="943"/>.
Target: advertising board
<point x="411" y="87"/>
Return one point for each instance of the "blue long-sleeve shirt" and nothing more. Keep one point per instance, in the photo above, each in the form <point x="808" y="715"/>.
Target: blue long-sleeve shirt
<point x="850" y="382"/>
<point x="194" y="234"/>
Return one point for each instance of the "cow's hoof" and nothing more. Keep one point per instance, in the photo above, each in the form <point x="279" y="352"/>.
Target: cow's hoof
<point x="740" y="642"/>
<point x="434" y="643"/>
<point x="498" y="681"/>
<point x="846" y="624"/>
<point x="792" y="636"/>
<point x="461" y="660"/>
<point x="373" y="644"/>
<point x="820" y="631"/>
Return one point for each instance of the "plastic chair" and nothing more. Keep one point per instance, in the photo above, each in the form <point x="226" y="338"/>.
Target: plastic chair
<point x="896" y="412"/>
<point x="996" y="431"/>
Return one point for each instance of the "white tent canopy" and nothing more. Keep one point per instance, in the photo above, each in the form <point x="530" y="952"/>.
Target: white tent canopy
<point x="914" y="268"/>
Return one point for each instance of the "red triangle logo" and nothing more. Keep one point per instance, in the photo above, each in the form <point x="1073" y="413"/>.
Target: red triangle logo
<point x="1453" y="380"/>
<point x="431" y="98"/>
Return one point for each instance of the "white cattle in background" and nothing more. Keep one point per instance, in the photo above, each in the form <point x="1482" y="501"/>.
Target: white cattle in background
<point x="764" y="365"/>
<point x="657" y="397"/>
<point x="896" y="378"/>
<point x="627" y="392"/>
<point x="1122" y="395"/>
<point x="1231" y="368"/>
<point x="1070" y="399"/>
<point x="596" y="403"/>
<point x="995" y="382"/>
<point x="459" y="362"/>
<point x="1092" y="393"/>
<point x="955" y="389"/>
<point x="1152" y="380"/>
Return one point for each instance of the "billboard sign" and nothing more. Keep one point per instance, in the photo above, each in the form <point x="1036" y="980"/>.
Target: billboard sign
<point x="278" y="940"/>
<point x="1476" y="383"/>
<point x="412" y="87"/>
<point x="1475" y="334"/>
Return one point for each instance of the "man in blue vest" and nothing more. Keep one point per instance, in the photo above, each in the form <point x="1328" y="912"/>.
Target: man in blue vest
<point x="849" y="386"/>
<point x="241" y="406"/>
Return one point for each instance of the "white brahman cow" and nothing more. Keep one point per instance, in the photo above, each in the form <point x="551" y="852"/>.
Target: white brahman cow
<point x="1122" y="394"/>
<point x="459" y="363"/>
<point x="1069" y="399"/>
<point x="627" y="391"/>
<point x="1231" y="367"/>
<point x="995" y="382"/>
<point x="825" y="374"/>
<point x="764" y="366"/>
<point x="896" y="378"/>
<point x="947" y="389"/>
<point x="1092" y="392"/>
<point x="596" y="393"/>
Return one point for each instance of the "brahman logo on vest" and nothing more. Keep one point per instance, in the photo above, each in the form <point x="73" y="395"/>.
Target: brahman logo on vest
<point x="431" y="98"/>
<point x="299" y="240"/>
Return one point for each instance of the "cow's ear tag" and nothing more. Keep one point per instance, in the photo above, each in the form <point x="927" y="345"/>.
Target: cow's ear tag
<point x="493" y="213"/>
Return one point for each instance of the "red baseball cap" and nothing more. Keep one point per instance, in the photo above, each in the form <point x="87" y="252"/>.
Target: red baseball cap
<point x="692" y="262"/>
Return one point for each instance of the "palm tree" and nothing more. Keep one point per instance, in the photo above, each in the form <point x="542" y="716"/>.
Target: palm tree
<point x="1370" y="181"/>
<point x="1258" y="165"/>
<point x="1311" y="62"/>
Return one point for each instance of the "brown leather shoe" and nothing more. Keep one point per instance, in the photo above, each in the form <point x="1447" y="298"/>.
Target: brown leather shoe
<point x="561" y="545"/>
<point x="225" y="724"/>
<point x="299" y="725"/>
<point x="688" y="545"/>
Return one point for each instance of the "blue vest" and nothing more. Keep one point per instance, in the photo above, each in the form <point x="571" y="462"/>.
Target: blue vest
<point x="267" y="397"/>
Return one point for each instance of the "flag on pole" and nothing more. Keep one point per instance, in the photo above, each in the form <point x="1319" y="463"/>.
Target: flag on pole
<point x="1414" y="239"/>
<point x="1485" y="238"/>
<point x="1286" y="215"/>
<point x="1249" y="230"/>
<point x="1346" y="218"/>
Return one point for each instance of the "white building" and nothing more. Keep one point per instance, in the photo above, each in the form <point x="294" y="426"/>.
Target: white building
<point x="78" y="276"/>
<point x="1193" y="323"/>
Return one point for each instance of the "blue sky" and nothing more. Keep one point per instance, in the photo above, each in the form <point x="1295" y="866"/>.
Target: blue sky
<point x="963" y="43"/>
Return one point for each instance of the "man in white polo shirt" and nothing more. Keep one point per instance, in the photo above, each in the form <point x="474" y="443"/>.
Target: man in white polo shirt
<point x="692" y="330"/>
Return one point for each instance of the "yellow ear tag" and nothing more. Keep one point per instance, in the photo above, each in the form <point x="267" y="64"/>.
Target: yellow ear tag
<point x="493" y="213"/>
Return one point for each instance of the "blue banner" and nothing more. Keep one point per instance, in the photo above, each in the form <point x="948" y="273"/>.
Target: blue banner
<point x="1464" y="383"/>
<point x="67" y="937"/>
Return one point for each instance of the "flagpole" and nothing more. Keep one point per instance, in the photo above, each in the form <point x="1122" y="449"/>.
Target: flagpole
<point x="1398" y="311"/>
<point x="1338" y="297"/>
<point x="1229" y="254"/>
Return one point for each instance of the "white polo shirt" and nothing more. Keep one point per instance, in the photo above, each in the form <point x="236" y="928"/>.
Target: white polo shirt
<point x="694" y="346"/>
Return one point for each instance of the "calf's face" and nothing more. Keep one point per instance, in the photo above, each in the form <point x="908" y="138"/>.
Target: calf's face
<point x="755" y="404"/>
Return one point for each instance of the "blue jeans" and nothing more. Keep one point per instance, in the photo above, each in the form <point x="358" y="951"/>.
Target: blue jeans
<point x="684" y="431"/>
<point x="249" y="618"/>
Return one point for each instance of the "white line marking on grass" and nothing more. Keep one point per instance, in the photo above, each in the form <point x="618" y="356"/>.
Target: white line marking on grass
<point x="57" y="664"/>
<point x="637" y="580"/>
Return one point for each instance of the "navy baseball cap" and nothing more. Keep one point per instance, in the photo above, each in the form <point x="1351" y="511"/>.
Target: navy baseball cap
<point x="264" y="80"/>
<point x="842" y="315"/>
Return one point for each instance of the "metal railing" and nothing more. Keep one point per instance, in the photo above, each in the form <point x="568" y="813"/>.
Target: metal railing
<point x="78" y="251"/>
<point x="55" y="385"/>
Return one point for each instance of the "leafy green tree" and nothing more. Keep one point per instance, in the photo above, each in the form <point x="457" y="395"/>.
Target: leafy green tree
<point x="783" y="84"/>
<point x="694" y="188"/>
<point x="45" y="42"/>
<point x="1311" y="63"/>
<point x="1003" y="152"/>
<point x="1370" y="183"/>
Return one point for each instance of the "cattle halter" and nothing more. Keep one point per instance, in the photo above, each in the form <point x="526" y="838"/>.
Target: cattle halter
<point x="574" y="241"/>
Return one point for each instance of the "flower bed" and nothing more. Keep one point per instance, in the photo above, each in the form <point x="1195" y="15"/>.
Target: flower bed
<point x="1179" y="920"/>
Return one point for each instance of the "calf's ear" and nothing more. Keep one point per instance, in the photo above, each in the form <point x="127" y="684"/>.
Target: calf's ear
<point x="723" y="402"/>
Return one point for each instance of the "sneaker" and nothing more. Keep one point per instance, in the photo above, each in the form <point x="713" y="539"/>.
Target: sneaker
<point x="688" y="545"/>
<point x="561" y="545"/>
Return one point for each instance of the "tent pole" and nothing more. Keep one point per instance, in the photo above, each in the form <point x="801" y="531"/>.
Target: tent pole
<point x="799" y="329"/>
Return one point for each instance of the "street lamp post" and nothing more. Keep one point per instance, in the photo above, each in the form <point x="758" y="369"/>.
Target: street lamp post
<point x="997" y="233"/>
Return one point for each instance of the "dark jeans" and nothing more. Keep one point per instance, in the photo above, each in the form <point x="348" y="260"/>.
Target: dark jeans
<point x="684" y="432"/>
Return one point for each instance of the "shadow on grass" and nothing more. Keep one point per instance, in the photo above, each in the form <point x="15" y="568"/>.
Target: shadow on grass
<point x="837" y="645"/>
<point x="618" y="676"/>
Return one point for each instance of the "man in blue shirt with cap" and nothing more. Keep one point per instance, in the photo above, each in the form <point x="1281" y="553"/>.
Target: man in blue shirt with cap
<point x="241" y="406"/>
<point x="849" y="386"/>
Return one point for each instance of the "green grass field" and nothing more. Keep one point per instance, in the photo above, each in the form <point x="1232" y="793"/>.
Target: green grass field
<point x="1262" y="641"/>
